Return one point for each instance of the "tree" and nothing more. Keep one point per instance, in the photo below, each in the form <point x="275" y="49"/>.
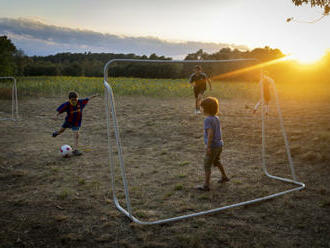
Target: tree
<point x="325" y="4"/>
<point x="7" y="53"/>
<point x="21" y="61"/>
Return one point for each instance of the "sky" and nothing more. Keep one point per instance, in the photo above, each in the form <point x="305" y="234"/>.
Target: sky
<point x="171" y="28"/>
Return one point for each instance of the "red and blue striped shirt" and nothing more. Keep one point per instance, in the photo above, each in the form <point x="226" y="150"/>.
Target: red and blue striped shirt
<point x="74" y="113"/>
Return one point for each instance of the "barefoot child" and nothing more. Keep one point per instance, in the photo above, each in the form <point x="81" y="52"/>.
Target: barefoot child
<point x="212" y="140"/>
<point x="73" y="108"/>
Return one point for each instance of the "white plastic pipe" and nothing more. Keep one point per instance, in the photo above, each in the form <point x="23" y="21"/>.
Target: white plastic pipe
<point x="14" y="100"/>
<point x="110" y="108"/>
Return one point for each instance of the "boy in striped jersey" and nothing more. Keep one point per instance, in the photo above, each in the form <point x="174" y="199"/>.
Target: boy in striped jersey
<point x="73" y="109"/>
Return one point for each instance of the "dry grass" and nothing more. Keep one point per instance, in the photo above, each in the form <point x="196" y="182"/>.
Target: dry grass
<point x="49" y="201"/>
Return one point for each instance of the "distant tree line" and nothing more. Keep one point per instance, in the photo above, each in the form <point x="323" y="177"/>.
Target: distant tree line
<point x="13" y="62"/>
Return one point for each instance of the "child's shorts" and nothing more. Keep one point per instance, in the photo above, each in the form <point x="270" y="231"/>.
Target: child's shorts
<point x="69" y="125"/>
<point x="199" y="89"/>
<point x="213" y="158"/>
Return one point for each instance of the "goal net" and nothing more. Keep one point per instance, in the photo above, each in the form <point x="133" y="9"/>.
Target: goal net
<point x="156" y="147"/>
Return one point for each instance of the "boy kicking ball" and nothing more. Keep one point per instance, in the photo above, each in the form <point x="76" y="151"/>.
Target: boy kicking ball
<point x="73" y="108"/>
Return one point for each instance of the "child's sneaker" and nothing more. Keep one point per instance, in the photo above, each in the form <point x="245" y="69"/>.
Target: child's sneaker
<point x="197" y="111"/>
<point x="55" y="134"/>
<point x="76" y="152"/>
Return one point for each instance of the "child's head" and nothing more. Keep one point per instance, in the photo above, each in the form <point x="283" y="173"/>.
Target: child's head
<point x="210" y="106"/>
<point x="73" y="98"/>
<point x="197" y="68"/>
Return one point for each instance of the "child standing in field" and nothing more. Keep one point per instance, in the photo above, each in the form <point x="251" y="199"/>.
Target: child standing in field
<point x="73" y="108"/>
<point x="266" y="83"/>
<point x="198" y="81"/>
<point x="213" y="141"/>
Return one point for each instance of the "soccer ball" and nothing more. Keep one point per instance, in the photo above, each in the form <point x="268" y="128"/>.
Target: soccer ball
<point x="66" y="150"/>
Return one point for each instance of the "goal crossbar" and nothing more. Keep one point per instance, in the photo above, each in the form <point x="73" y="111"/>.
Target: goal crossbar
<point x="110" y="109"/>
<point x="14" y="101"/>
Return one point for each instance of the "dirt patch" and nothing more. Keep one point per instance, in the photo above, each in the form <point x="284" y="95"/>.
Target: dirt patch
<point x="50" y="201"/>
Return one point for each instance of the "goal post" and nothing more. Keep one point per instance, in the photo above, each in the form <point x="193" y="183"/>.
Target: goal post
<point x="14" y="100"/>
<point x="112" y="124"/>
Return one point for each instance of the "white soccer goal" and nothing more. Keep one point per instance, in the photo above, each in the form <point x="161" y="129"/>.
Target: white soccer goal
<point x="113" y="126"/>
<point x="14" y="101"/>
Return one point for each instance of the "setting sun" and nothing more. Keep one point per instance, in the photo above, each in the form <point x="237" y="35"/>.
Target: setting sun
<point x="310" y="56"/>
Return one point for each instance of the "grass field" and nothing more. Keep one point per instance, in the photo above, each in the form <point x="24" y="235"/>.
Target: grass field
<point x="50" y="201"/>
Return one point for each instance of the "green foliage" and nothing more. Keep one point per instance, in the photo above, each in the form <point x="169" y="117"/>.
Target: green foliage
<point x="41" y="69"/>
<point x="21" y="61"/>
<point x="7" y="52"/>
<point x="92" y="64"/>
<point x="325" y="4"/>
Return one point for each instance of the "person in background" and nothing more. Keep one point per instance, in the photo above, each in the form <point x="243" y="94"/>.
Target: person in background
<point x="198" y="81"/>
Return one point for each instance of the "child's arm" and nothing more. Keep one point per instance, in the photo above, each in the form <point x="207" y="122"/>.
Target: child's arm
<point x="209" y="81"/>
<point x="56" y="116"/>
<point x="191" y="82"/>
<point x="93" y="96"/>
<point x="60" y="110"/>
<point x="210" y="135"/>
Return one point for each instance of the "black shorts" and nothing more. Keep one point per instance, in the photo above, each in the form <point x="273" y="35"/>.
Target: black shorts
<point x="69" y="125"/>
<point x="199" y="89"/>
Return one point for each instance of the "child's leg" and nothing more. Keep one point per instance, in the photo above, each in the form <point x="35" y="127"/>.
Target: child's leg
<point x="207" y="177"/>
<point x="218" y="164"/>
<point x="257" y="106"/>
<point x="222" y="171"/>
<point x="198" y="101"/>
<point x="75" y="139"/>
<point x="58" y="132"/>
<point x="208" y="160"/>
<point x="61" y="130"/>
<point x="267" y="108"/>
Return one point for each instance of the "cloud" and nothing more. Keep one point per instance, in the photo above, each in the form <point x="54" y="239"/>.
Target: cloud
<point x="37" y="38"/>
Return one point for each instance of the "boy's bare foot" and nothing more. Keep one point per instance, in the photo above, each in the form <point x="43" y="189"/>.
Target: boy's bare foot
<point x="203" y="187"/>
<point x="223" y="180"/>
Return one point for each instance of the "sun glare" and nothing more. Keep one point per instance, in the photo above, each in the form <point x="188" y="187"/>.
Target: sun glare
<point x="307" y="57"/>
